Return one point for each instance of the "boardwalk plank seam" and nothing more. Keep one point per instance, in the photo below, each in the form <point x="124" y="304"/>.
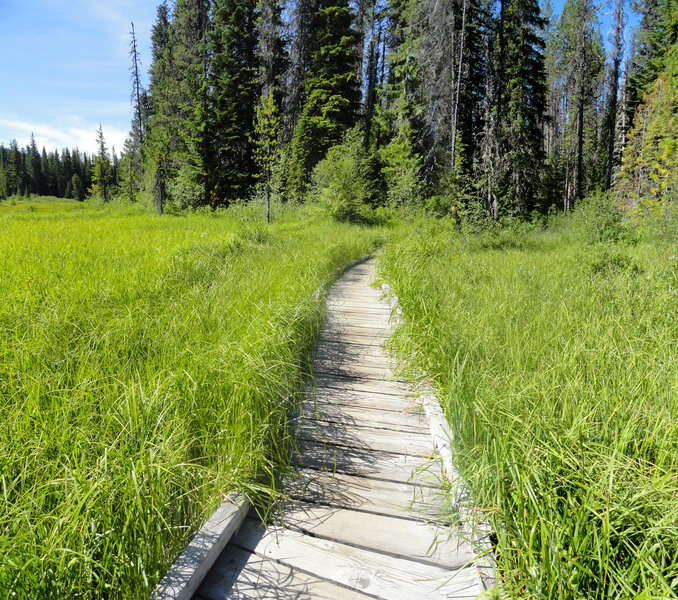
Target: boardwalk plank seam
<point x="365" y="513"/>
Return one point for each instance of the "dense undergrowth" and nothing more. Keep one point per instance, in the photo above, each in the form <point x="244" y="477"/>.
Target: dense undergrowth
<point x="146" y="369"/>
<point x="555" y="352"/>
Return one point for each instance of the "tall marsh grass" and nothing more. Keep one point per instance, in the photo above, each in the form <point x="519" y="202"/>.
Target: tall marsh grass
<point x="556" y="360"/>
<point x="146" y="369"/>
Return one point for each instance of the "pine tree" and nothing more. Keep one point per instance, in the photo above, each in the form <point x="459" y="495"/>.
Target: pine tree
<point x="266" y="131"/>
<point x="13" y="173"/>
<point x="3" y="173"/>
<point x="33" y="167"/>
<point x="298" y="65"/>
<point x="581" y="66"/>
<point x="657" y="32"/>
<point x="609" y="136"/>
<point x="102" y="172"/>
<point x="648" y="180"/>
<point x="331" y="91"/>
<point x="162" y="132"/>
<point x="131" y="159"/>
<point x="191" y="24"/>
<point x="522" y="103"/>
<point x="234" y="98"/>
<point x="77" y="188"/>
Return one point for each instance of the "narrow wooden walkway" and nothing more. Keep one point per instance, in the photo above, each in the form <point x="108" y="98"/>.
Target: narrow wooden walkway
<point x="365" y="519"/>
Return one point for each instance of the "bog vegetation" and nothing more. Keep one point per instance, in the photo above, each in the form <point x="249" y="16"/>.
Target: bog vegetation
<point x="147" y="364"/>
<point x="148" y="367"/>
<point x="555" y="355"/>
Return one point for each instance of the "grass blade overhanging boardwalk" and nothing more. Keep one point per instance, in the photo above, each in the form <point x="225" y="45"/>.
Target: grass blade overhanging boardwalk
<point x="146" y="366"/>
<point x="556" y="361"/>
<point x="365" y="518"/>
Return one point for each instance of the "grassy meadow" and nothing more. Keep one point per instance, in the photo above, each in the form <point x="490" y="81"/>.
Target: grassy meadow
<point x="18" y="205"/>
<point x="555" y="355"/>
<point x="147" y="367"/>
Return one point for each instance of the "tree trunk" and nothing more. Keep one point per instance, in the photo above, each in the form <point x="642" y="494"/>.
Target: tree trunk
<point x="458" y="86"/>
<point x="611" y="113"/>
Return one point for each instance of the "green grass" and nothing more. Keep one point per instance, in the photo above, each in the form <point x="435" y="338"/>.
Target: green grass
<point x="39" y="204"/>
<point x="556" y="361"/>
<point x="147" y="368"/>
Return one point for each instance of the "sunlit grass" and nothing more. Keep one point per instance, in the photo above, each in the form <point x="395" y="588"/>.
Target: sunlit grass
<point x="147" y="366"/>
<point x="557" y="364"/>
<point x="38" y="204"/>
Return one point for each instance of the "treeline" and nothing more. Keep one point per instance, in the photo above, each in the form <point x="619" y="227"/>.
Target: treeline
<point x="462" y="105"/>
<point x="27" y="171"/>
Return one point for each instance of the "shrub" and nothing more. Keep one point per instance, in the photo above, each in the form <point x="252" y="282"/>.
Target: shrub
<point x="401" y="168"/>
<point x="340" y="183"/>
<point x="601" y="218"/>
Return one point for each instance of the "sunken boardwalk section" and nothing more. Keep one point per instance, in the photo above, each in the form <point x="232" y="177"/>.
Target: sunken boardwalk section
<point x="364" y="519"/>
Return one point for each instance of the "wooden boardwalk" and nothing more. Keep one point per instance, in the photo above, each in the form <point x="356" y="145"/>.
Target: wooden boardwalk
<point x="365" y="519"/>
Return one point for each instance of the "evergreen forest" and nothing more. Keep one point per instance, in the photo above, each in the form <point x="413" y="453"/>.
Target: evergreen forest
<point x="458" y="107"/>
<point x="513" y="169"/>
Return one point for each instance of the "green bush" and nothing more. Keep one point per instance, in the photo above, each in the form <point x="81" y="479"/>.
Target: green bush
<point x="601" y="218"/>
<point x="401" y="169"/>
<point x="340" y="183"/>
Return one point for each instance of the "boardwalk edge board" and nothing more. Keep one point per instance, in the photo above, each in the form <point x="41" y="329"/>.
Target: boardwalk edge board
<point x="442" y="438"/>
<point x="186" y="574"/>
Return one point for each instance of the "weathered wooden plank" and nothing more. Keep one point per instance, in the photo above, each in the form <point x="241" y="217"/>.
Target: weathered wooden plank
<point x="362" y="399"/>
<point x="393" y="388"/>
<point x="188" y="571"/>
<point x="366" y="439"/>
<point x="403" y="500"/>
<point x="372" y="348"/>
<point x="358" y="331"/>
<point x="239" y="574"/>
<point x="345" y="307"/>
<point x="369" y="572"/>
<point x="354" y="369"/>
<point x="357" y="309"/>
<point x="344" y="354"/>
<point x="369" y="463"/>
<point x="347" y="415"/>
<point x="345" y="338"/>
<point x="362" y="317"/>
<point x="429" y="543"/>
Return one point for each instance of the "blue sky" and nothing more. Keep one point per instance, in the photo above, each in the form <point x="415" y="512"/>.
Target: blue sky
<point x="65" y="69"/>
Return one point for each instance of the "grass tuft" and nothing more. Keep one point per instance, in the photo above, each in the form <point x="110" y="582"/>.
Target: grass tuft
<point x="147" y="368"/>
<point x="556" y="362"/>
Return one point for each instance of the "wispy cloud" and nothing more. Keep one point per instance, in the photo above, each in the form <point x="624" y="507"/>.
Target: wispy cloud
<point x="74" y="134"/>
<point x="116" y="16"/>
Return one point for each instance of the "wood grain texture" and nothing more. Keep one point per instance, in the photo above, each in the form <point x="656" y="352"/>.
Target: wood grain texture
<point x="365" y="516"/>
<point x="244" y="575"/>
<point x="189" y="570"/>
<point x="405" y="500"/>
<point x="379" y="575"/>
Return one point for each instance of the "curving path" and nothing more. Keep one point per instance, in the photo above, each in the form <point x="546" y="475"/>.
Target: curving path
<point x="365" y="519"/>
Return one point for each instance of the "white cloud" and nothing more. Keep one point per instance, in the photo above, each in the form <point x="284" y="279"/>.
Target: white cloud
<point x="116" y="16"/>
<point x="74" y="133"/>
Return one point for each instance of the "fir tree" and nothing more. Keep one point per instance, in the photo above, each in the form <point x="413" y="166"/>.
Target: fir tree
<point x="522" y="104"/>
<point x="189" y="79"/>
<point x="581" y="60"/>
<point x="234" y="99"/>
<point x="331" y="90"/>
<point x="266" y="131"/>
<point x="102" y="172"/>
